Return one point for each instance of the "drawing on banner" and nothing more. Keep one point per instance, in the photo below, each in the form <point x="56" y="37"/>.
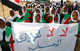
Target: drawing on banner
<point x="25" y="37"/>
<point x="53" y="44"/>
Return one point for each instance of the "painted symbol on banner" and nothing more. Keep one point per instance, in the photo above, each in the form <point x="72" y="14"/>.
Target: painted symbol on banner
<point x="64" y="32"/>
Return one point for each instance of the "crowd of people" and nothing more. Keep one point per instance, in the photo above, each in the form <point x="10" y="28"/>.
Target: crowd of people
<point x="35" y="12"/>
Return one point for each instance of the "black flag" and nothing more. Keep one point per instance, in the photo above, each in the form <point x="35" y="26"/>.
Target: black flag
<point x="11" y="5"/>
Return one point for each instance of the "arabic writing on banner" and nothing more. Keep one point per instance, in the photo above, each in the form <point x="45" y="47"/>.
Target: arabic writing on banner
<point x="44" y="37"/>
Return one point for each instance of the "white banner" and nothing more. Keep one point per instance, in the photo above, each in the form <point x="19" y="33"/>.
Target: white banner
<point x="44" y="37"/>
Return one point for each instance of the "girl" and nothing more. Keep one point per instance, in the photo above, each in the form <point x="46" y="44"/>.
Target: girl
<point x="13" y="18"/>
<point x="38" y="6"/>
<point x="58" y="11"/>
<point x="64" y="14"/>
<point x="37" y="18"/>
<point x="52" y="12"/>
<point x="56" y="19"/>
<point x="75" y="19"/>
<point x="21" y="14"/>
<point x="29" y="10"/>
<point x="46" y="13"/>
<point x="24" y="8"/>
<point x="39" y="12"/>
<point x="42" y="5"/>
<point x="4" y="31"/>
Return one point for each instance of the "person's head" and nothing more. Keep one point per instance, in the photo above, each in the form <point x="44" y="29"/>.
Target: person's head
<point x="24" y="8"/>
<point x="56" y="18"/>
<point x="33" y="5"/>
<point x="58" y="10"/>
<point x="42" y="6"/>
<point x="47" y="9"/>
<point x="37" y="11"/>
<point x="65" y="8"/>
<point x="52" y="10"/>
<point x="20" y="12"/>
<point x="38" y="6"/>
<point x="2" y="23"/>
<point x="29" y="6"/>
<point x="75" y="16"/>
<point x="12" y="13"/>
<point x="37" y="18"/>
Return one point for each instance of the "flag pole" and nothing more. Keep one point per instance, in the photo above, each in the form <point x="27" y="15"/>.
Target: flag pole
<point x="3" y="11"/>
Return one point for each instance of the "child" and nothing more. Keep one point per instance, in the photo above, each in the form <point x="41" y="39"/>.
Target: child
<point x="56" y="18"/>
<point x="37" y="18"/>
<point x="13" y="18"/>
<point x="64" y="14"/>
<point x="3" y="33"/>
<point x="46" y="13"/>
<point x="21" y="14"/>
<point x="75" y="19"/>
<point x="39" y="12"/>
<point x="24" y="8"/>
<point x="58" y="11"/>
<point x="52" y="10"/>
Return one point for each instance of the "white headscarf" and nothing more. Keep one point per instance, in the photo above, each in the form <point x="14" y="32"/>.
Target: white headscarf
<point x="40" y="11"/>
<point x="22" y="12"/>
<point x="60" y="8"/>
<point x="51" y="10"/>
<point x="40" y="6"/>
<point x="45" y="9"/>
<point x="12" y="17"/>
<point x="65" y="12"/>
<point x="29" y="5"/>
<point x="34" y="21"/>
<point x="24" y="6"/>
<point x="58" y="19"/>
<point x="1" y="30"/>
<point x="78" y="16"/>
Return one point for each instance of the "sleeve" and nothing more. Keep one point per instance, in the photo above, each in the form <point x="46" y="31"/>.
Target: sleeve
<point x="4" y="43"/>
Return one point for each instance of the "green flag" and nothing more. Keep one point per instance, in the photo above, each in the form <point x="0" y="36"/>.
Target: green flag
<point x="8" y="31"/>
<point x="67" y="16"/>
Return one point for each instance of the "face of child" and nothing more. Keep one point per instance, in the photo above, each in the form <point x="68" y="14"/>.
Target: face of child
<point x="37" y="11"/>
<point x="42" y="6"/>
<point x="65" y="9"/>
<point x="12" y="13"/>
<point x="38" y="7"/>
<point x="55" y="18"/>
<point x="58" y="10"/>
<point x="75" y="15"/>
<point x="24" y="9"/>
<point x="28" y="6"/>
<point x="53" y="11"/>
<point x="33" y="6"/>
<point x="20" y="13"/>
<point x="47" y="9"/>
<point x="37" y="18"/>
<point x="2" y="24"/>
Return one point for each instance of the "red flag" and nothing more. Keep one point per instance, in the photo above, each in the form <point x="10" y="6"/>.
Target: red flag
<point x="17" y="1"/>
